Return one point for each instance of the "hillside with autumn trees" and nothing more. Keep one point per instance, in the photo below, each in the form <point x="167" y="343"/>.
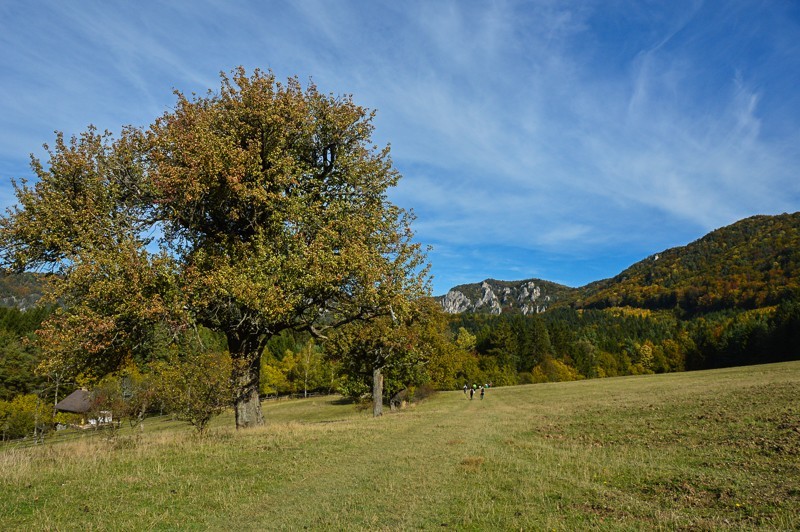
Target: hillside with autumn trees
<point x="751" y="264"/>
<point x="730" y="298"/>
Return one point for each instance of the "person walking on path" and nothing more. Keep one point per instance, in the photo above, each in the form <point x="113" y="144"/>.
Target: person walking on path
<point x="471" y="393"/>
<point x="483" y="392"/>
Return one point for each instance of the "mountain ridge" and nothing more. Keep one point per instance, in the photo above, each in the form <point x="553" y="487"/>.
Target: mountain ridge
<point x="491" y="296"/>
<point x="752" y="263"/>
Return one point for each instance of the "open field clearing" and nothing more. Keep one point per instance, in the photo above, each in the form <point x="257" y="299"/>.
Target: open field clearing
<point x="702" y="450"/>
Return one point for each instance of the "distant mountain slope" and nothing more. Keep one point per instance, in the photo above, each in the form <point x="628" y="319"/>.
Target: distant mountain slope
<point x="20" y="290"/>
<point x="750" y="264"/>
<point x="494" y="297"/>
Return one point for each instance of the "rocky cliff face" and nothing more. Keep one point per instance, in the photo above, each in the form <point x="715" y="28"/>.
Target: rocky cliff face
<point x="20" y="290"/>
<point x="22" y="303"/>
<point x="494" y="297"/>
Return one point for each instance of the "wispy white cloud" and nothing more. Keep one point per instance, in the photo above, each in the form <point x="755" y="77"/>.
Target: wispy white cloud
<point x="587" y="131"/>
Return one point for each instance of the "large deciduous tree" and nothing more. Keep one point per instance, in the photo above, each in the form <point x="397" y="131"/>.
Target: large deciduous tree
<point x="267" y="202"/>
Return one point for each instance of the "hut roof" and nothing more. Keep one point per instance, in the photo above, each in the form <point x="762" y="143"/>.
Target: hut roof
<point x="79" y="402"/>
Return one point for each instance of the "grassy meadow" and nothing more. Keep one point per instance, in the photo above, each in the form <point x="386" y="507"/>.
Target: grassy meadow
<point x="703" y="450"/>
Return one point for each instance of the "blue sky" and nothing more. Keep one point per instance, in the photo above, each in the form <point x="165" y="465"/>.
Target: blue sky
<point x="552" y="139"/>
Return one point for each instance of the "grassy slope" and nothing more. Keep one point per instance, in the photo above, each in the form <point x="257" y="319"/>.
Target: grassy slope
<point x="707" y="450"/>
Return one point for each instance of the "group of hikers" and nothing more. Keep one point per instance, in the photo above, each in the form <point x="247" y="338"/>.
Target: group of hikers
<point x="475" y="389"/>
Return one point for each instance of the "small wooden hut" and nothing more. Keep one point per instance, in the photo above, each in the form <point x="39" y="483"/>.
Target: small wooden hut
<point x="80" y="402"/>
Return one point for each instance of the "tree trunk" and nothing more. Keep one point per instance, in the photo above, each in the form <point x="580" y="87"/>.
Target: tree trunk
<point x="246" y="356"/>
<point x="377" y="392"/>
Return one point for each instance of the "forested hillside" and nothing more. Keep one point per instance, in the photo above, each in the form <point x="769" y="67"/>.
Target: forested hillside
<point x="751" y="264"/>
<point x="19" y="319"/>
<point x="730" y="298"/>
<point x="569" y="344"/>
<point x="18" y="358"/>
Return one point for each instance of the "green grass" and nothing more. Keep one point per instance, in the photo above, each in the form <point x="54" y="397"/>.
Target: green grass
<point x="703" y="450"/>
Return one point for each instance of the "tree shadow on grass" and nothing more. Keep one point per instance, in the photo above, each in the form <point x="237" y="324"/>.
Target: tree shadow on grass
<point x="342" y="401"/>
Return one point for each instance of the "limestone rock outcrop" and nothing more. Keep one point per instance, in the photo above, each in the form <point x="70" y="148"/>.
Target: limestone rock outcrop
<point x="494" y="297"/>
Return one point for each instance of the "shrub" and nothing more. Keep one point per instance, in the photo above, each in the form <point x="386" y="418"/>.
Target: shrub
<point x="23" y="416"/>
<point x="422" y="392"/>
<point x="552" y="370"/>
<point x="195" y="388"/>
<point x="354" y="389"/>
